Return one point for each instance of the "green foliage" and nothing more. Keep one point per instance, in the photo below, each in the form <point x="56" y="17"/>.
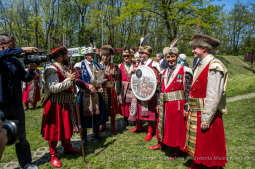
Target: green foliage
<point x="240" y="78"/>
<point x="124" y="22"/>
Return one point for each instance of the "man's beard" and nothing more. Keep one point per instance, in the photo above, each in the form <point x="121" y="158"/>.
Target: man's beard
<point x="171" y="66"/>
<point x="66" y="62"/>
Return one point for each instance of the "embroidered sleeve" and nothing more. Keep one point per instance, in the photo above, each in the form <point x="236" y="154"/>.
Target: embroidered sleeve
<point x="52" y="81"/>
<point x="215" y="87"/>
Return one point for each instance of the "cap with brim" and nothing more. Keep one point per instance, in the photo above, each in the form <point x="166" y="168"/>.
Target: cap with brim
<point x="129" y="52"/>
<point x="204" y="41"/>
<point x="106" y="50"/>
<point x="168" y="50"/>
<point x="87" y="51"/>
<point x="145" y="49"/>
<point x="58" y="51"/>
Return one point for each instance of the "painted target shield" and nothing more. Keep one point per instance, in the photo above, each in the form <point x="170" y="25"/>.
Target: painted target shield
<point x="144" y="83"/>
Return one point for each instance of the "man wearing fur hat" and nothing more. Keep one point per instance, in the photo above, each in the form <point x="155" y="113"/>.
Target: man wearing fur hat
<point x="110" y="95"/>
<point x="56" y="121"/>
<point x="173" y="103"/>
<point x="146" y="110"/>
<point x="205" y="139"/>
<point x="126" y="97"/>
<point x="88" y="80"/>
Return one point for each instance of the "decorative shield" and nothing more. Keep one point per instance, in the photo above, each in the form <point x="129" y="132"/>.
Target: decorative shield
<point x="144" y="83"/>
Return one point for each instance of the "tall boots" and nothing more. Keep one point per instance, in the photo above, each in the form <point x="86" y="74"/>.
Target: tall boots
<point x="113" y="116"/>
<point x="103" y="126"/>
<point x="156" y="147"/>
<point x="54" y="161"/>
<point x="138" y="126"/>
<point x="53" y="151"/>
<point x="149" y="132"/>
<point x="126" y="121"/>
<point x="68" y="148"/>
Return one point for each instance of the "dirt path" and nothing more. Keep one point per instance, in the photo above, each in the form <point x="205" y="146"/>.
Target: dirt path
<point x="240" y="97"/>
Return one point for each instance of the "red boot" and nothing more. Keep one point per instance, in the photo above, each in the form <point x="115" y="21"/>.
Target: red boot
<point x="68" y="149"/>
<point x="138" y="126"/>
<point x="156" y="147"/>
<point x="53" y="154"/>
<point x="149" y="133"/>
<point x="54" y="161"/>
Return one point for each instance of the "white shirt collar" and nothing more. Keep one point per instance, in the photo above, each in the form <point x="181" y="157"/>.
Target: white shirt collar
<point x="161" y="60"/>
<point x="88" y="62"/>
<point x="205" y="59"/>
<point x="147" y="62"/>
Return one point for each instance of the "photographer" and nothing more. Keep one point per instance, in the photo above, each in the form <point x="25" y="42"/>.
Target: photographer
<point x="12" y="74"/>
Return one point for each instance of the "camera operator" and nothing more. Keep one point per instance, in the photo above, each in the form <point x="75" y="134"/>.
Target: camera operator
<point x="12" y="74"/>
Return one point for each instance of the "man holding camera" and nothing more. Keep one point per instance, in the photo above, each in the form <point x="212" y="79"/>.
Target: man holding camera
<point x="12" y="73"/>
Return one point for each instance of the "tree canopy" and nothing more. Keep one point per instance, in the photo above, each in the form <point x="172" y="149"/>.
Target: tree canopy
<point x="122" y="23"/>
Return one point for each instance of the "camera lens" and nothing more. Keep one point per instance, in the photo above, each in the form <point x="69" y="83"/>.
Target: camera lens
<point x="12" y="131"/>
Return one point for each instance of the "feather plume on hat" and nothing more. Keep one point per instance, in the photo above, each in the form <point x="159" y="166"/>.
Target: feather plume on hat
<point x="204" y="41"/>
<point x="143" y="40"/>
<point x="172" y="49"/>
<point x="143" y="48"/>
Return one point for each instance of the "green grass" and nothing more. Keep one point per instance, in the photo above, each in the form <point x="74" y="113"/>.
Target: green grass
<point x="127" y="150"/>
<point x="241" y="79"/>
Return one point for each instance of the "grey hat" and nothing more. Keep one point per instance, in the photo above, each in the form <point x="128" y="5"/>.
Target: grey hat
<point x="205" y="41"/>
<point x="168" y="50"/>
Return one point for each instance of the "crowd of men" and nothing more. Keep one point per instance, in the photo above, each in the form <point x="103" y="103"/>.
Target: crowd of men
<point x="185" y="113"/>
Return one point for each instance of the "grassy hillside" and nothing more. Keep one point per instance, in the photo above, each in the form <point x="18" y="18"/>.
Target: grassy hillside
<point x="241" y="78"/>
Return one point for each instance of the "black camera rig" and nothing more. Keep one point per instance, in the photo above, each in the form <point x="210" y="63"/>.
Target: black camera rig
<point x="38" y="58"/>
<point x="10" y="127"/>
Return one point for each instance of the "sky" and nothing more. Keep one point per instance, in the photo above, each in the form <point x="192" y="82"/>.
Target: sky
<point x="229" y="4"/>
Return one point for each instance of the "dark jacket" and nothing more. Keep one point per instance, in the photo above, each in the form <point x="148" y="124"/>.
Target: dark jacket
<point x="164" y="64"/>
<point x="13" y="73"/>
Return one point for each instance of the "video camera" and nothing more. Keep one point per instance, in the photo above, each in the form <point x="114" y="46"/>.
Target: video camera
<point x="10" y="127"/>
<point x="38" y="58"/>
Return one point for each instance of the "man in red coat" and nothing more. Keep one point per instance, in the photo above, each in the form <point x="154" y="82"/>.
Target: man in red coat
<point x="126" y="97"/>
<point x="205" y="139"/>
<point x="56" y="121"/>
<point x="175" y="87"/>
<point x="146" y="110"/>
<point x="31" y="91"/>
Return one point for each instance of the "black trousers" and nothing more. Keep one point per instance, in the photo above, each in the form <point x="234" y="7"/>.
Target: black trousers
<point x="89" y="122"/>
<point x="23" y="152"/>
